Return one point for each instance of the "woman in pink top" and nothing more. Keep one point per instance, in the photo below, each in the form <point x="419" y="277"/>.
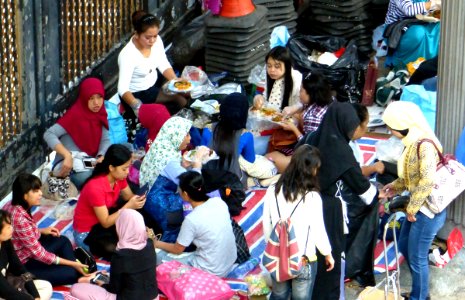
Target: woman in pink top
<point x="96" y="210"/>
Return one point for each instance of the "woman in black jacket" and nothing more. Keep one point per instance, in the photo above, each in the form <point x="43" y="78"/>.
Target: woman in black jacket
<point x="10" y="263"/>
<point x="132" y="274"/>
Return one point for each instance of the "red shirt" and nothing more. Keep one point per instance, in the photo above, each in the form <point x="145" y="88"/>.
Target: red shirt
<point x="97" y="192"/>
<point x="26" y="236"/>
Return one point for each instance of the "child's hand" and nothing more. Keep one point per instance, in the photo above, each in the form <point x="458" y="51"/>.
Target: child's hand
<point x="258" y="101"/>
<point x="288" y="125"/>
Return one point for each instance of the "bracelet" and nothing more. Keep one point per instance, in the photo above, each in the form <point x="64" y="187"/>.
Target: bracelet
<point x="57" y="260"/>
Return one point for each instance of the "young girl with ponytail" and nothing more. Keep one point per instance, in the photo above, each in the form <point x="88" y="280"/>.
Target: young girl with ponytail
<point x="208" y="227"/>
<point x="96" y="211"/>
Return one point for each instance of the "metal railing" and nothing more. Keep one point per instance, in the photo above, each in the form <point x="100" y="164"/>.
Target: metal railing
<point x="89" y="30"/>
<point x="10" y="80"/>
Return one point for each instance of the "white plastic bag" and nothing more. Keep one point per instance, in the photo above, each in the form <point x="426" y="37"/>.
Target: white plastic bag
<point x="203" y="85"/>
<point x="257" y="76"/>
<point x="389" y="150"/>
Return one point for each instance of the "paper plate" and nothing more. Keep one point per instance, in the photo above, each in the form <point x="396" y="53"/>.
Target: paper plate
<point x="172" y="88"/>
<point x="189" y="156"/>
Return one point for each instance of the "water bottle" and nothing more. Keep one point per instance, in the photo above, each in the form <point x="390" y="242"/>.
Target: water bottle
<point x="243" y="269"/>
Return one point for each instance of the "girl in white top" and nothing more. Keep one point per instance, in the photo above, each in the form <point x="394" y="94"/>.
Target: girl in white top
<point x="299" y="181"/>
<point x="282" y="82"/>
<point x="138" y="62"/>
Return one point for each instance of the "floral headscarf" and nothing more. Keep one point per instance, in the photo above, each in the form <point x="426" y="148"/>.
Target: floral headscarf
<point x="165" y="149"/>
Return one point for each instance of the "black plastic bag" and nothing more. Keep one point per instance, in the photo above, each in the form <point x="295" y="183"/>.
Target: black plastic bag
<point x="346" y="75"/>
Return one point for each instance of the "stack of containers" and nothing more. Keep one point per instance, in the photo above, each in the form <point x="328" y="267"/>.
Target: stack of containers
<point x="350" y="19"/>
<point x="280" y="12"/>
<point x="236" y="44"/>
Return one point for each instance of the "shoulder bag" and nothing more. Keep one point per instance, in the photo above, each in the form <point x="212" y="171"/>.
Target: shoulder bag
<point x="449" y="181"/>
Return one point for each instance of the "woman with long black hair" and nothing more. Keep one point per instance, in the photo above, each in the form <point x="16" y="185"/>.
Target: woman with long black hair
<point x="96" y="210"/>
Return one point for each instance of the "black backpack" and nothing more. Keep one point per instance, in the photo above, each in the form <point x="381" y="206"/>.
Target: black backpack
<point x="229" y="186"/>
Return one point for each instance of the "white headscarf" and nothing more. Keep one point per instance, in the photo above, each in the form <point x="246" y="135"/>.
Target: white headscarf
<point x="401" y="115"/>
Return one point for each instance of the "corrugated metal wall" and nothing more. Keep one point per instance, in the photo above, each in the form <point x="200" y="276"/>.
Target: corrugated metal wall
<point x="451" y="86"/>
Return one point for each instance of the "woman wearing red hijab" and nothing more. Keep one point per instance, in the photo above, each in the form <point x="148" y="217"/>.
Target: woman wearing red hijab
<point x="83" y="128"/>
<point x="152" y="117"/>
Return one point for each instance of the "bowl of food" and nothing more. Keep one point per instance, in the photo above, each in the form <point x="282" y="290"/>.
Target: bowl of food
<point x="210" y="154"/>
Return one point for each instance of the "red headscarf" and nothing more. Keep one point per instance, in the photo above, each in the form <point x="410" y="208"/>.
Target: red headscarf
<point x="83" y="125"/>
<point x="152" y="117"/>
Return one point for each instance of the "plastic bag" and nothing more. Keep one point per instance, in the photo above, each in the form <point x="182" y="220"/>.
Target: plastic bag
<point x="279" y="37"/>
<point x="257" y="285"/>
<point x="426" y="100"/>
<point x="258" y="76"/>
<point x="346" y="75"/>
<point x="389" y="150"/>
<point x="204" y="86"/>
<point x="65" y="210"/>
<point x="186" y="114"/>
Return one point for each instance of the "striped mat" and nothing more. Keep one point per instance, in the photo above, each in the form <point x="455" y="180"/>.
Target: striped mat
<point x="249" y="219"/>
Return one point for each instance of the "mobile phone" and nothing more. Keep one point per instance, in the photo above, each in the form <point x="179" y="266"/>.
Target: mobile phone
<point x="88" y="163"/>
<point x="105" y="279"/>
<point x="143" y="190"/>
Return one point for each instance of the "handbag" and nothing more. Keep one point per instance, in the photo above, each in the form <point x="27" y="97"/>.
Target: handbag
<point x="57" y="188"/>
<point x="281" y="139"/>
<point x="19" y="282"/>
<point x="449" y="180"/>
<point x="86" y="258"/>
<point x="182" y="282"/>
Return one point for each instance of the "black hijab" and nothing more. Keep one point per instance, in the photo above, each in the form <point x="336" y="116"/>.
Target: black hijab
<point x="332" y="139"/>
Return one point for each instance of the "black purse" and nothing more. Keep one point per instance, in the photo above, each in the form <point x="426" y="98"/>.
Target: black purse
<point x="19" y="282"/>
<point x="86" y="258"/>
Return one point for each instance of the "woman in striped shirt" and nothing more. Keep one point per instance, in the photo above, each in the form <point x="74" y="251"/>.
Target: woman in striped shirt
<point x="420" y="40"/>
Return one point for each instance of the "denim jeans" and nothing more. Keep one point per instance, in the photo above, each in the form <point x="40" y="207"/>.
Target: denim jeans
<point x="79" y="178"/>
<point x="414" y="243"/>
<point x="55" y="274"/>
<point x="300" y="288"/>
<point x="185" y="258"/>
<point x="79" y="239"/>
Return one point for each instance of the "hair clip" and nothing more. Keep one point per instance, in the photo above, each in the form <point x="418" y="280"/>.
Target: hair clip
<point x="308" y="75"/>
<point x="147" y="18"/>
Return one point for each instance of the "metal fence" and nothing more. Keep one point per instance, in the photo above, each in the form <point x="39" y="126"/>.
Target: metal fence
<point x="89" y="29"/>
<point x="10" y="80"/>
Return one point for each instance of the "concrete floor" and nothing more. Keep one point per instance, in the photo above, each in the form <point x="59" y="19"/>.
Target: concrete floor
<point x="445" y="284"/>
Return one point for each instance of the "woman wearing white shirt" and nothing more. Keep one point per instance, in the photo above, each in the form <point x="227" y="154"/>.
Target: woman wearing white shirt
<point x="298" y="186"/>
<point x="138" y="62"/>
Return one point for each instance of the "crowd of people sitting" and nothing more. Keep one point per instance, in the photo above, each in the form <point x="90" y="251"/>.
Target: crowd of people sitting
<point x="319" y="174"/>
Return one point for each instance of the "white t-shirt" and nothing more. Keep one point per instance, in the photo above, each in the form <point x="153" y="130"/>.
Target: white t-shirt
<point x="208" y="226"/>
<point x="138" y="73"/>
<point x="309" y="214"/>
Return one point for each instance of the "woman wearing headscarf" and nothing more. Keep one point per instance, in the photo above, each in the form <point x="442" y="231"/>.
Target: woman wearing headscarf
<point x="132" y="273"/>
<point x="160" y="169"/>
<point x="83" y="128"/>
<point x="416" y="169"/>
<point x="152" y="117"/>
<point x="338" y="169"/>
